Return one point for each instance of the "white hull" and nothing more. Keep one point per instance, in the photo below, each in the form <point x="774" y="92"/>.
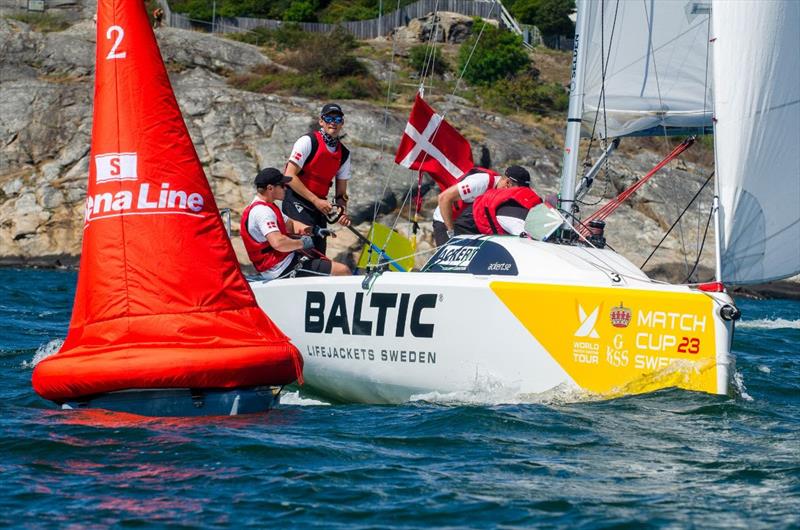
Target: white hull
<point x="549" y="326"/>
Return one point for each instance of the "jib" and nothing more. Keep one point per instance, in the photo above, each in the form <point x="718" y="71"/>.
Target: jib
<point x="318" y="320"/>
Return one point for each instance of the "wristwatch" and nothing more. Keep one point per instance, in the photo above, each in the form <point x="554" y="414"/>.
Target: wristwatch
<point x="343" y="197"/>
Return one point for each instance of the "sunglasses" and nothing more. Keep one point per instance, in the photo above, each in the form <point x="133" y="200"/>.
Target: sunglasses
<point x="338" y="120"/>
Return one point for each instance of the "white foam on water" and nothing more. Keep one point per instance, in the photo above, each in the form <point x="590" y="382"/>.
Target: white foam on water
<point x="738" y="386"/>
<point x="764" y="369"/>
<point x="43" y="352"/>
<point x="294" y="398"/>
<point x="487" y="390"/>
<point x="769" y="323"/>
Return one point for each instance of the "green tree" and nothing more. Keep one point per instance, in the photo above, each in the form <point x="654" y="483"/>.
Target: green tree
<point x="330" y="55"/>
<point x="419" y="59"/>
<point x="498" y="55"/>
<point x="552" y="17"/>
<point x="301" y="11"/>
<point x="525" y="11"/>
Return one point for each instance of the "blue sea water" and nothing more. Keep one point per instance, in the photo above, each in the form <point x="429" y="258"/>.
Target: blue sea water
<point x="672" y="459"/>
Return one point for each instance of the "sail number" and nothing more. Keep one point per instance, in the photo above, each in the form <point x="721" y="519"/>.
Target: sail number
<point x="689" y="345"/>
<point x="114" y="54"/>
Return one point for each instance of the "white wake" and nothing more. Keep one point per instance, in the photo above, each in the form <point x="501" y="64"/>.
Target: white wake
<point x="294" y="398"/>
<point x="769" y="323"/>
<point x="43" y="352"/>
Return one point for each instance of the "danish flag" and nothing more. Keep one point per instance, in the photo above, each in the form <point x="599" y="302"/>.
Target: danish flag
<point x="432" y="145"/>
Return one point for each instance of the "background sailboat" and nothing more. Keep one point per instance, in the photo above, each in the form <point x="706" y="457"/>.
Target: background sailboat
<point x="160" y="301"/>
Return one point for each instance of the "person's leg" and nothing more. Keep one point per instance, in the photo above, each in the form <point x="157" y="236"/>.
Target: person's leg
<point x="300" y="211"/>
<point x="323" y="267"/>
<point x="320" y="243"/>
<point x="340" y="269"/>
<point x="304" y="216"/>
<point x="439" y="233"/>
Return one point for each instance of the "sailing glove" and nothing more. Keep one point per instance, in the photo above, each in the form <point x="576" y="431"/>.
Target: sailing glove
<point x="308" y="242"/>
<point x="451" y="233"/>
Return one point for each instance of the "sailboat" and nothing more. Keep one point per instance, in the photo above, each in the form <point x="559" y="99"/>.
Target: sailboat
<point x="164" y="323"/>
<point x="532" y="317"/>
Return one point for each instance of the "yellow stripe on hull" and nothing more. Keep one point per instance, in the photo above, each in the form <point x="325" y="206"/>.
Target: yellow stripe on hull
<point x="617" y="341"/>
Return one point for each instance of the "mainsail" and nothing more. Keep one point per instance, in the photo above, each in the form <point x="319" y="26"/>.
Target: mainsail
<point x="757" y="137"/>
<point x="657" y="79"/>
<point x="160" y="301"/>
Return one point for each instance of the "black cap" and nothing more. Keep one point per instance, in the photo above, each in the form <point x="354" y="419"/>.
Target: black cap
<point x="331" y="108"/>
<point x="519" y="175"/>
<point x="270" y="175"/>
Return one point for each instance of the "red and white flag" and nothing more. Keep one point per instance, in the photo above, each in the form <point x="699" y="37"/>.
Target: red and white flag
<point x="432" y="145"/>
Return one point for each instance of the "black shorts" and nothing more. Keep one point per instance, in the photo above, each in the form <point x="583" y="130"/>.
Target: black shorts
<point x="299" y="209"/>
<point x="303" y="267"/>
<point x="465" y="224"/>
<point x="440" y="236"/>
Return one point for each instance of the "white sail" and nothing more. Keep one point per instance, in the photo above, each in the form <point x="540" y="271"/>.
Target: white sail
<point x="757" y="136"/>
<point x="657" y="75"/>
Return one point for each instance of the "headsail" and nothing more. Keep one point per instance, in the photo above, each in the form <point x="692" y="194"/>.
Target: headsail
<point x="657" y="79"/>
<point x="757" y="137"/>
<point x="160" y="301"/>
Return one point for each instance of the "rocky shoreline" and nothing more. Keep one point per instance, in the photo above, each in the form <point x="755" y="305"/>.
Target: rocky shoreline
<point x="45" y="129"/>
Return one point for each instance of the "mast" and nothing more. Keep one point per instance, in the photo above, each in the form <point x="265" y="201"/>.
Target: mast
<point x="715" y="205"/>
<point x="573" y="134"/>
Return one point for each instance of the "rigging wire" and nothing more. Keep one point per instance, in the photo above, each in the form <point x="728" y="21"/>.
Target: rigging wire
<point x="444" y="114"/>
<point x="698" y="247"/>
<point x="601" y="100"/>
<point x="702" y="244"/>
<point x="649" y="14"/>
<point x="676" y="222"/>
<point x="382" y="193"/>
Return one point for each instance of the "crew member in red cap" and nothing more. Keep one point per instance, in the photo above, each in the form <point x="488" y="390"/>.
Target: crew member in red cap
<point x="500" y="211"/>
<point x="460" y="195"/>
<point x="265" y="232"/>
<point x="317" y="160"/>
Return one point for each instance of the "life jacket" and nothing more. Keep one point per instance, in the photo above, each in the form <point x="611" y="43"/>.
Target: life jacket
<point x="484" y="209"/>
<point x="263" y="256"/>
<point x="459" y="206"/>
<point x="321" y="165"/>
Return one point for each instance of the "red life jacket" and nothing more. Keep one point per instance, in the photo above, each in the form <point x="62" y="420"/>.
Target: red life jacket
<point x="484" y="209"/>
<point x="263" y="256"/>
<point x="321" y="165"/>
<point x="459" y="206"/>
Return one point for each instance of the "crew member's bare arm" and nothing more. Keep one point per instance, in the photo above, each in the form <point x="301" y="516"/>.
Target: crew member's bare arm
<point x="341" y="191"/>
<point x="283" y="243"/>
<point x="447" y="199"/>
<point x="299" y="188"/>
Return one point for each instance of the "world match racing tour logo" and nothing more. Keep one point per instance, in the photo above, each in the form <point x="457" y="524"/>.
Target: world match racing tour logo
<point x="144" y="199"/>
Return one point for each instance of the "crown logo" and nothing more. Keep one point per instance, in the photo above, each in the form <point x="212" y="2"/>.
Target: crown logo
<point x="621" y="316"/>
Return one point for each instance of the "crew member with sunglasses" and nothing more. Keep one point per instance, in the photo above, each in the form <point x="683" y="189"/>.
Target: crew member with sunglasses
<point x="265" y="232"/>
<point x="317" y="160"/>
<point x="460" y="195"/>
